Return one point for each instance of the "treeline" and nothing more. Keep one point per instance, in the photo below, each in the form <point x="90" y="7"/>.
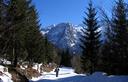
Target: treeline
<point x="21" y="39"/>
<point x="109" y="55"/>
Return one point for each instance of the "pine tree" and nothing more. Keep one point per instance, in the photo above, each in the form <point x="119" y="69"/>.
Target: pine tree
<point x="4" y="28"/>
<point x="49" y="51"/>
<point x="33" y="38"/>
<point x="120" y="37"/>
<point x="90" y="40"/>
<point x="16" y="21"/>
<point x="22" y="36"/>
<point x="1" y="14"/>
<point x="2" y="9"/>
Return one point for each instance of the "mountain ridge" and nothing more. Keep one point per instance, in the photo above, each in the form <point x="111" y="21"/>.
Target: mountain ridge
<point x="64" y="36"/>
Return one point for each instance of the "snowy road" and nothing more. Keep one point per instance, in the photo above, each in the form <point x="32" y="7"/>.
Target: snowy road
<point x="68" y="75"/>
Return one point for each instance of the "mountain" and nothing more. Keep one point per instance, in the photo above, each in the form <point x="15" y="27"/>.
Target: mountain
<point x="64" y="36"/>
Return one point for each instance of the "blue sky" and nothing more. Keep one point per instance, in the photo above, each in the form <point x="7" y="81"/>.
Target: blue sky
<point x="57" y="11"/>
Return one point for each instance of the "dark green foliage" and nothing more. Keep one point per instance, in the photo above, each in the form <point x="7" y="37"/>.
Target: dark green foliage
<point x="16" y="15"/>
<point x="120" y="37"/>
<point x="33" y="39"/>
<point x="90" y="40"/>
<point x="21" y="38"/>
<point x="66" y="58"/>
<point x="50" y="53"/>
<point x="120" y="26"/>
<point x="116" y="57"/>
<point x="20" y="35"/>
<point x="2" y="26"/>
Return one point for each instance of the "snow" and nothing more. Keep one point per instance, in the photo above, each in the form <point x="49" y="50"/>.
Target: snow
<point x="4" y="61"/>
<point x="72" y="44"/>
<point x="65" y="33"/>
<point x="5" y="76"/>
<point x="63" y="73"/>
<point x="68" y="75"/>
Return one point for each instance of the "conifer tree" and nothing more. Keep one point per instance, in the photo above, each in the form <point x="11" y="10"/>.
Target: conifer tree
<point x="66" y="58"/>
<point x="2" y="8"/>
<point x="33" y="38"/>
<point x="49" y="51"/>
<point x="23" y="38"/>
<point x="115" y="49"/>
<point x="120" y="37"/>
<point x="90" y="40"/>
<point x="16" y="21"/>
<point x="4" y="27"/>
<point x="1" y="13"/>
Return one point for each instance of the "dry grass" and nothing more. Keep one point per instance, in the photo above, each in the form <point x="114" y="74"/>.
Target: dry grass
<point x="30" y="72"/>
<point x="22" y="75"/>
<point x="48" y="68"/>
<point x="17" y="76"/>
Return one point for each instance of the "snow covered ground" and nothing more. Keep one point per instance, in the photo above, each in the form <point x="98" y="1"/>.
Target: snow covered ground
<point x="63" y="73"/>
<point x="68" y="75"/>
<point x="4" y="76"/>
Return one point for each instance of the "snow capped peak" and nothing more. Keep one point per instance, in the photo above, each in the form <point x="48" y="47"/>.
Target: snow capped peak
<point x="64" y="36"/>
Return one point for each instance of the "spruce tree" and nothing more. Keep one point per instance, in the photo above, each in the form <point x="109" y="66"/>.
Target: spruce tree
<point x="2" y="9"/>
<point x="16" y="21"/>
<point x="33" y="38"/>
<point x="90" y="40"/>
<point x="22" y="37"/>
<point x="120" y="37"/>
<point x="49" y="51"/>
<point x="4" y="28"/>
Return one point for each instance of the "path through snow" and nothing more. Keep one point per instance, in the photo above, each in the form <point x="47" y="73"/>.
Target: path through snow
<point x="68" y="75"/>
